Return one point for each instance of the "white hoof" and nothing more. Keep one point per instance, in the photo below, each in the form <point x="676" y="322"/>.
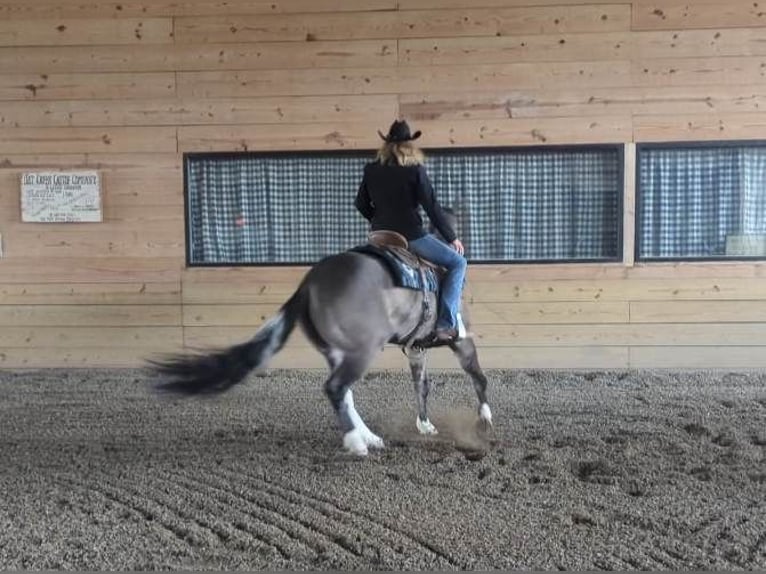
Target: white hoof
<point x="485" y="414"/>
<point x="354" y="443"/>
<point x="425" y="427"/>
<point x="373" y="441"/>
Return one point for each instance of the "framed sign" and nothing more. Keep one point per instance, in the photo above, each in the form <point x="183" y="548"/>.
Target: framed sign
<point x="61" y="197"/>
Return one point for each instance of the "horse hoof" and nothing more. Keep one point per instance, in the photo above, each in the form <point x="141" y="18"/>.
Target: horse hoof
<point x="354" y="443"/>
<point x="425" y="427"/>
<point x="374" y="441"/>
<point x="485" y="415"/>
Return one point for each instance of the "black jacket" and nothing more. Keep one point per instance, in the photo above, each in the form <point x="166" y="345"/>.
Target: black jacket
<point x="389" y="196"/>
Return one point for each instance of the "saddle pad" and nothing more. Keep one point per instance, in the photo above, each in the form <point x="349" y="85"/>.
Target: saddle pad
<point x="404" y="273"/>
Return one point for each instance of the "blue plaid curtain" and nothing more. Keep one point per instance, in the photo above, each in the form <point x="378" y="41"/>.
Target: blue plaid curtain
<point x="272" y="209"/>
<point x="692" y="199"/>
<point x="545" y="205"/>
<point x="526" y="206"/>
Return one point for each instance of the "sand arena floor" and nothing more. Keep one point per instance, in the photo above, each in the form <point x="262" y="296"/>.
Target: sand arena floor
<point x="599" y="470"/>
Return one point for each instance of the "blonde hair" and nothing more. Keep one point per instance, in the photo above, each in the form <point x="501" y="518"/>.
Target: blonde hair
<point x="402" y="153"/>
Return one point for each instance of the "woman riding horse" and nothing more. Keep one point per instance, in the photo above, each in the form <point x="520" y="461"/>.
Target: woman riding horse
<point x="349" y="307"/>
<point x="392" y="189"/>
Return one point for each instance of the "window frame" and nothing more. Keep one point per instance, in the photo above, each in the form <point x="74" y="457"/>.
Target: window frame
<point x="676" y="145"/>
<point x="619" y="148"/>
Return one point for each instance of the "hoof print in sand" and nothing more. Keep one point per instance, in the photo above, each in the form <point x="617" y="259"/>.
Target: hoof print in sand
<point x="696" y="429"/>
<point x="702" y="473"/>
<point x="593" y="471"/>
<point x="724" y="438"/>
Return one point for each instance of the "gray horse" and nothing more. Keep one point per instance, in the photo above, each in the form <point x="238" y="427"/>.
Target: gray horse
<point x="349" y="308"/>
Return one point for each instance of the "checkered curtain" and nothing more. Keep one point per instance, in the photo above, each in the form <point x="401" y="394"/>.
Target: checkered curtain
<point x="542" y="205"/>
<point x="692" y="199"/>
<point x="511" y="206"/>
<point x="272" y="209"/>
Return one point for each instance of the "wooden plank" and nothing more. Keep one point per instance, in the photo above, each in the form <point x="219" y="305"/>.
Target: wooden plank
<point x="721" y="357"/>
<point x="678" y="43"/>
<point x="199" y="338"/>
<point x="553" y="336"/>
<point x="115" y="163"/>
<point x="137" y="215"/>
<point x="584" y="102"/>
<point x="490" y="357"/>
<point x="543" y="131"/>
<point x="279" y="137"/>
<point x="506" y="49"/>
<point x="698" y="311"/>
<point x="87" y="140"/>
<point x="257" y="291"/>
<point x="447" y="4"/>
<point x="228" y="289"/>
<point x="228" y="315"/>
<point x="411" y="79"/>
<point x="90" y="315"/>
<point x="734" y="126"/>
<point x="392" y="359"/>
<point x="661" y="270"/>
<point x="699" y="71"/>
<point x="583" y="47"/>
<point x="132" y="201"/>
<point x="69" y="32"/>
<point x="154" y="183"/>
<point x="481" y="313"/>
<point x="24" y="9"/>
<point x="294" y="356"/>
<point x="190" y="57"/>
<point x="94" y="357"/>
<point x="364" y="135"/>
<point x="143" y="293"/>
<point x="719" y="273"/>
<point x="191" y="111"/>
<point x="90" y="337"/>
<point x="86" y="86"/>
<point x="114" y="239"/>
<point x="244" y="275"/>
<point x="86" y="269"/>
<point x="558" y="312"/>
<point x="404" y="24"/>
<point x="620" y="335"/>
<point x="479" y="289"/>
<point x="682" y="14"/>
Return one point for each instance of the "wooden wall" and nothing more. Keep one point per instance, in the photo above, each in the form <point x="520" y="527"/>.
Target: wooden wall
<point x="127" y="86"/>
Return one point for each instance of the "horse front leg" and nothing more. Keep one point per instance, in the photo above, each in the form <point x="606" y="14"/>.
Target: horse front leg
<point x="417" y="358"/>
<point x="465" y="350"/>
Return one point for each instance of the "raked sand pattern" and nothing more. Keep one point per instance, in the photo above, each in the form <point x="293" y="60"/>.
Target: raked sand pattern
<point x="588" y="470"/>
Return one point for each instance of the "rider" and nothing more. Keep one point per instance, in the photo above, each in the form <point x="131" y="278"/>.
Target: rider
<point x="393" y="187"/>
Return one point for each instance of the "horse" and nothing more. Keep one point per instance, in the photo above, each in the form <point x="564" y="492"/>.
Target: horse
<point x="349" y="307"/>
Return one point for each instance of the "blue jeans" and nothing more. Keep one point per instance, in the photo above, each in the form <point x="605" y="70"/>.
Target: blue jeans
<point x="438" y="252"/>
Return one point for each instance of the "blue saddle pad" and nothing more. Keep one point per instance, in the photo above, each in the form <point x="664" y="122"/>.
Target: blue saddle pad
<point x="404" y="274"/>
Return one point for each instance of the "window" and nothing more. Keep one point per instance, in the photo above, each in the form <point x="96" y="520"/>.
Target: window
<point x="513" y="205"/>
<point x="701" y="201"/>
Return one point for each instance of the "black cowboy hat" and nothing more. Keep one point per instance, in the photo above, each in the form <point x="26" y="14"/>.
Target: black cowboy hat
<point x="399" y="132"/>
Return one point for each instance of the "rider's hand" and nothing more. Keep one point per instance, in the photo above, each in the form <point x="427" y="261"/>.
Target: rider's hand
<point x="457" y="245"/>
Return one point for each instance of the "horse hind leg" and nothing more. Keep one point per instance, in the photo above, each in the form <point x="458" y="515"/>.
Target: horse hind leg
<point x="369" y="438"/>
<point x="357" y="437"/>
<point x="417" y="358"/>
<point x="465" y="350"/>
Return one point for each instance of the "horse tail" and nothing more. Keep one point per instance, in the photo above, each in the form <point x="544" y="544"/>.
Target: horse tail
<point x="219" y="370"/>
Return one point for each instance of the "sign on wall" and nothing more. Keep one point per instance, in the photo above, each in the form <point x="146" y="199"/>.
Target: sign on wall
<point x="61" y="197"/>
